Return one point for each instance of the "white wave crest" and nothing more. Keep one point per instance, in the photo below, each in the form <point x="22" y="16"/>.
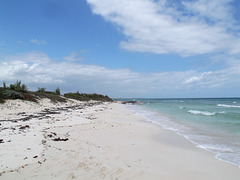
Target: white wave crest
<point x="205" y="113"/>
<point x="226" y="105"/>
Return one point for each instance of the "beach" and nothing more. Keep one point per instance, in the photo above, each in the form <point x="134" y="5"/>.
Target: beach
<point x="97" y="140"/>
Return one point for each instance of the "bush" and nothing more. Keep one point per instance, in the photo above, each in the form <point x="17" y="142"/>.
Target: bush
<point x="24" y="88"/>
<point x="19" y="91"/>
<point x="2" y="100"/>
<point x="87" y="97"/>
<point x="13" y="94"/>
<point x="42" y="89"/>
<point x="2" y="90"/>
<point x="49" y="95"/>
<point x="18" y="86"/>
<point x="4" y="85"/>
<point x="57" y="91"/>
<point x="30" y="97"/>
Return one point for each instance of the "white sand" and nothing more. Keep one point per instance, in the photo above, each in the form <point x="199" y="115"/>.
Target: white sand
<point x="105" y="141"/>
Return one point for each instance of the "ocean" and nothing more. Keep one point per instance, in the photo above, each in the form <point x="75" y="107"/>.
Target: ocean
<point x="212" y="124"/>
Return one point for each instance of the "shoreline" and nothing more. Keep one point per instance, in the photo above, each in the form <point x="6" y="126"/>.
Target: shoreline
<point x="191" y="133"/>
<point x="198" y="146"/>
<point x="105" y="141"/>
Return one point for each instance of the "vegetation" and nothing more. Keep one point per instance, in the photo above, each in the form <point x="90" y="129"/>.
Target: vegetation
<point x="49" y="95"/>
<point x="18" y="86"/>
<point x="11" y="94"/>
<point x="87" y="97"/>
<point x="41" y="90"/>
<point x="20" y="91"/>
<point x="57" y="91"/>
<point x="2" y="91"/>
<point x="14" y="91"/>
<point x="4" y="85"/>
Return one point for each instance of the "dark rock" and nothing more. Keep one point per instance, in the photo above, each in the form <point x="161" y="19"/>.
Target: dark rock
<point x="128" y="102"/>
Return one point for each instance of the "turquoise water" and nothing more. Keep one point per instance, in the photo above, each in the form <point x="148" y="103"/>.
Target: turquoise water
<point x="211" y="124"/>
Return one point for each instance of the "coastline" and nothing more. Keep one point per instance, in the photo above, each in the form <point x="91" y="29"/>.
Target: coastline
<point x="101" y="141"/>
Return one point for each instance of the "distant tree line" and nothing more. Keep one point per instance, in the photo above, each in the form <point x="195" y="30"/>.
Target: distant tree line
<point x="87" y="97"/>
<point x="19" y="90"/>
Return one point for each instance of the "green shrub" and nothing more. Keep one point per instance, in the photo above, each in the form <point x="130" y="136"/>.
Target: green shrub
<point x="42" y="89"/>
<point x="23" y="88"/>
<point x="19" y="91"/>
<point x="87" y="97"/>
<point x="18" y="86"/>
<point x="49" y="95"/>
<point x="50" y="92"/>
<point x="2" y="100"/>
<point x="57" y="91"/>
<point x="13" y="94"/>
<point x="4" y="85"/>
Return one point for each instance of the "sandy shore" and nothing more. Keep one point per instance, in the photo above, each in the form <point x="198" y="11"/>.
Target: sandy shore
<point x="97" y="141"/>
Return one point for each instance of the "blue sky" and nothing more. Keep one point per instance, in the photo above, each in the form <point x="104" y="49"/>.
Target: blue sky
<point x="122" y="48"/>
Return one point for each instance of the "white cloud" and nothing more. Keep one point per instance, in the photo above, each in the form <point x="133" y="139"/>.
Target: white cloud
<point x="38" y="42"/>
<point x="33" y="57"/>
<point x="38" y="70"/>
<point x="179" y="27"/>
<point x="216" y="11"/>
<point x="74" y="56"/>
<point x="197" y="78"/>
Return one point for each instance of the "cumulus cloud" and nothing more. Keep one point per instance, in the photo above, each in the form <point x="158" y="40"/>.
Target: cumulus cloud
<point x="38" y="42"/>
<point x="38" y="70"/>
<point x="180" y="27"/>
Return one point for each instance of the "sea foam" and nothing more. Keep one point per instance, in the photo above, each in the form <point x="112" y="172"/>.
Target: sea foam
<point x="229" y="106"/>
<point x="216" y="132"/>
<point x="205" y="113"/>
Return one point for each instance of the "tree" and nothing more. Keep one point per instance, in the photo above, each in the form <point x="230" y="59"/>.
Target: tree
<point x="42" y="89"/>
<point x="57" y="91"/>
<point x="4" y="85"/>
<point x="18" y="86"/>
<point x="23" y="88"/>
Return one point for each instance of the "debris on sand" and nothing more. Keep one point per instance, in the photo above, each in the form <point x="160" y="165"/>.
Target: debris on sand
<point x="24" y="127"/>
<point x="59" y="139"/>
